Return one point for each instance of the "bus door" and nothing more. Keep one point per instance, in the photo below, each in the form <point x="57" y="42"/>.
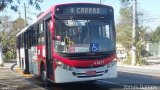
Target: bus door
<point x="18" y="50"/>
<point x="29" y="51"/>
<point x="49" y="58"/>
<point x="26" y="61"/>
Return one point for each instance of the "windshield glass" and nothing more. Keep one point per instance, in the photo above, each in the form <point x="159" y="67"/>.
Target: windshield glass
<point x="79" y="36"/>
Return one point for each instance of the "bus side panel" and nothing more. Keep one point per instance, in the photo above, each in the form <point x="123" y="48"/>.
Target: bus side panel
<point x="41" y="57"/>
<point x="22" y="58"/>
<point x="18" y="57"/>
<point x="34" y="60"/>
<point x="30" y="61"/>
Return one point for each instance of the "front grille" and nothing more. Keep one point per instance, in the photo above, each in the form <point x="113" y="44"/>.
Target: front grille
<point x="83" y="74"/>
<point x="90" y="67"/>
<point x="89" y="76"/>
<point x="89" y="57"/>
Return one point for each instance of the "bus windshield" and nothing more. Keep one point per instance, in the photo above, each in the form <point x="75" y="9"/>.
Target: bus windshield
<point x="80" y="36"/>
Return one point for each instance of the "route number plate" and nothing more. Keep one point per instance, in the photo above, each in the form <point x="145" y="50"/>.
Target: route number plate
<point x="90" y="73"/>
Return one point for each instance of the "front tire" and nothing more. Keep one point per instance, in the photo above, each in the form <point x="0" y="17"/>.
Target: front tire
<point x="44" y="77"/>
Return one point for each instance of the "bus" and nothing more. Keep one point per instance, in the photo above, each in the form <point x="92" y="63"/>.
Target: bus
<point x="70" y="43"/>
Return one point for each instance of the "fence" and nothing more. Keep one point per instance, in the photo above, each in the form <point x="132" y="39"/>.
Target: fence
<point x="153" y="48"/>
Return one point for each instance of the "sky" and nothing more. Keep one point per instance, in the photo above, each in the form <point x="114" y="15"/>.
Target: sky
<point x="149" y="8"/>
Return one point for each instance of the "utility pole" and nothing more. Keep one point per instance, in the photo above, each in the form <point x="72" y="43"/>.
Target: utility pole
<point x="100" y="1"/>
<point x="1" y="54"/>
<point x="134" y="32"/>
<point x="19" y="14"/>
<point x="25" y="18"/>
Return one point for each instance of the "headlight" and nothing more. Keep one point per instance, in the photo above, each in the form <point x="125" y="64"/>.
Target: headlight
<point x="62" y="65"/>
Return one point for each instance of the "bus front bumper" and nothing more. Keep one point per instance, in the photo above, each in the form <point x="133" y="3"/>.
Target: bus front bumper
<point x="79" y="74"/>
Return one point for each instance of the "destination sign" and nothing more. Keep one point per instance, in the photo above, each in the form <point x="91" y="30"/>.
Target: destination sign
<point x="84" y="10"/>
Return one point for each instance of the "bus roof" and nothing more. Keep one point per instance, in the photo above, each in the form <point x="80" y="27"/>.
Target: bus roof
<point x="23" y="30"/>
<point x="51" y="9"/>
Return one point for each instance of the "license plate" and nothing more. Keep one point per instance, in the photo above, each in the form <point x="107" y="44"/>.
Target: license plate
<point x="90" y="73"/>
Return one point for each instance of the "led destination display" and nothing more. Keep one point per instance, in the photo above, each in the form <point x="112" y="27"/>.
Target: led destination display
<point x="84" y="10"/>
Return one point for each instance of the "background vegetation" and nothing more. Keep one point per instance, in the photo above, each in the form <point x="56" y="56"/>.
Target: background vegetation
<point x="9" y="29"/>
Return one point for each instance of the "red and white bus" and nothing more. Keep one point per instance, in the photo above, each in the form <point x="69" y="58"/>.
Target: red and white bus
<point x="70" y="43"/>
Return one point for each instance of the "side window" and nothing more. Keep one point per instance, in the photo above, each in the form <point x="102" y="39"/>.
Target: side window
<point x="32" y="36"/>
<point x="41" y="29"/>
<point x="29" y="38"/>
<point x="25" y="40"/>
<point x="40" y="33"/>
<point x="18" y="42"/>
<point x="106" y="31"/>
<point x="22" y="37"/>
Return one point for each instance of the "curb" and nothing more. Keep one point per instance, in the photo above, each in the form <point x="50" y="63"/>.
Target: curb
<point x="139" y="67"/>
<point x="136" y="70"/>
<point x="11" y="69"/>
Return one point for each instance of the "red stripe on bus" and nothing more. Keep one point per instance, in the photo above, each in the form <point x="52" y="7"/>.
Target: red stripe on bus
<point x="85" y="63"/>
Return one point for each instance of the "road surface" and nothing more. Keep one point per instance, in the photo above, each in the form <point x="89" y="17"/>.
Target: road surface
<point x="124" y="81"/>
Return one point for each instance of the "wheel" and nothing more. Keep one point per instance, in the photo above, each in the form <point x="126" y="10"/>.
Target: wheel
<point x="44" y="77"/>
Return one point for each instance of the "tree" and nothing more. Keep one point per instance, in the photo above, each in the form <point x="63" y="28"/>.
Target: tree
<point x="8" y="33"/>
<point x="124" y="32"/>
<point x="9" y="41"/>
<point x="4" y="3"/>
<point x="4" y="26"/>
<point x="124" y="27"/>
<point x="155" y="36"/>
<point x="140" y="42"/>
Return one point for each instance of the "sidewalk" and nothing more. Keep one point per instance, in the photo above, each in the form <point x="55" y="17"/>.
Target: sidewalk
<point x="153" y="68"/>
<point x="148" y="67"/>
<point x="8" y="64"/>
<point x="9" y="80"/>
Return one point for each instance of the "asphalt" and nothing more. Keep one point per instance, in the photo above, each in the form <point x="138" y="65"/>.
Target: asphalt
<point x="127" y="74"/>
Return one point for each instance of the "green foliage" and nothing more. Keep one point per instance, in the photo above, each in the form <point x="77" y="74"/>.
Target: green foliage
<point x="8" y="37"/>
<point x="9" y="55"/>
<point x="139" y="48"/>
<point x="4" y="3"/>
<point x="2" y="65"/>
<point x="124" y="33"/>
<point x="145" y="53"/>
<point x="8" y="43"/>
<point x="141" y="61"/>
<point x="128" y="60"/>
<point x="124" y="28"/>
<point x="139" y="44"/>
<point x="155" y="36"/>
